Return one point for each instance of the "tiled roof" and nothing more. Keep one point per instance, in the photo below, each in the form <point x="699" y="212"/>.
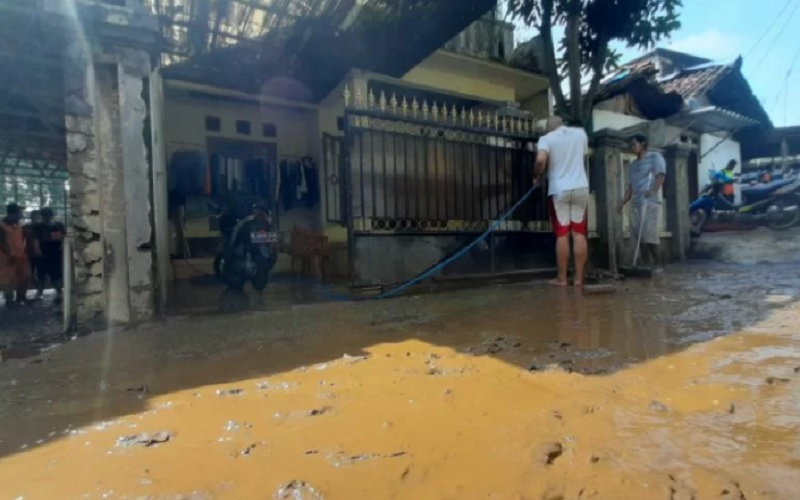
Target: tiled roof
<point x="705" y="79"/>
<point x="691" y="82"/>
<point x="620" y="80"/>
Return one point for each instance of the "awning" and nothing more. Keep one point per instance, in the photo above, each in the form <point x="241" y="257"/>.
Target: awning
<point x="711" y="119"/>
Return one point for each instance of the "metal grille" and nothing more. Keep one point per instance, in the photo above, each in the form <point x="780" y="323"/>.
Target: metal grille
<point x="32" y="99"/>
<point x="421" y="169"/>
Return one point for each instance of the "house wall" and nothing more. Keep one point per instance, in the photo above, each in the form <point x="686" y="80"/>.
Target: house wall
<point x="716" y="159"/>
<point x="540" y="105"/>
<point x="430" y="75"/>
<point x="602" y="119"/>
<point x="296" y="137"/>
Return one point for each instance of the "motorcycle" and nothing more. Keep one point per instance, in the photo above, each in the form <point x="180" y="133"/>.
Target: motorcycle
<point x="227" y="221"/>
<point x="775" y="204"/>
<point x="250" y="257"/>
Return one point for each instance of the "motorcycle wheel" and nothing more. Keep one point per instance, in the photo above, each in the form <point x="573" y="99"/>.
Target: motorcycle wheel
<point x="785" y="220"/>
<point x="698" y="220"/>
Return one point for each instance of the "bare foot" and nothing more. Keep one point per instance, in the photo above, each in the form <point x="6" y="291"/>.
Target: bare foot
<point x="578" y="284"/>
<point x="557" y="282"/>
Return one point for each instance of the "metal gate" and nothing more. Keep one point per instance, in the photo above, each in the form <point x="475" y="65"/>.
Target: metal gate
<point x="32" y="98"/>
<point x="424" y="178"/>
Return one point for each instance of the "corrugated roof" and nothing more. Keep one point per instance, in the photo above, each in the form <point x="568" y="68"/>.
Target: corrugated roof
<point x="313" y="42"/>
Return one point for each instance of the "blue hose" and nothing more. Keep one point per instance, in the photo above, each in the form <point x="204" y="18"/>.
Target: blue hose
<point x="445" y="262"/>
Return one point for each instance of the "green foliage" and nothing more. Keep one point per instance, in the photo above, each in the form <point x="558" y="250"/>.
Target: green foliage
<point x="638" y="24"/>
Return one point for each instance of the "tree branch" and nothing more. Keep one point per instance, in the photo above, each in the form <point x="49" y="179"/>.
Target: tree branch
<point x="597" y="64"/>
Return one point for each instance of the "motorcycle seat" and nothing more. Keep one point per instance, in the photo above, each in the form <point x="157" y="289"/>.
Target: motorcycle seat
<point x="762" y="190"/>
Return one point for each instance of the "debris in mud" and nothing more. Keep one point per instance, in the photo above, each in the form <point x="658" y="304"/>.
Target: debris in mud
<point x="142" y="389"/>
<point x="797" y="369"/>
<point x="145" y="440"/>
<point x="351" y="360"/>
<point x="658" y="406"/>
<point x="777" y="380"/>
<point x="341" y="460"/>
<point x="732" y="409"/>
<point x="297" y="490"/>
<point x="319" y="411"/>
<point x="283" y="386"/>
<point x="494" y="344"/>
<point x="594" y="459"/>
<point x="534" y="367"/>
<point x="229" y="392"/>
<point x="734" y="493"/>
<point x="233" y="425"/>
<point x="562" y="367"/>
<point x="550" y="452"/>
<point x="597" y="370"/>
<point x="590" y="410"/>
<point x="246" y="451"/>
<point x="722" y="296"/>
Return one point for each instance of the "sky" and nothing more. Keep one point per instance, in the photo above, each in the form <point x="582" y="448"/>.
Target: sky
<point x="766" y="33"/>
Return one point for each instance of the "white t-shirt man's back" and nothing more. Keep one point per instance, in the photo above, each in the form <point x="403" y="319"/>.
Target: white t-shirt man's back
<point x="566" y="148"/>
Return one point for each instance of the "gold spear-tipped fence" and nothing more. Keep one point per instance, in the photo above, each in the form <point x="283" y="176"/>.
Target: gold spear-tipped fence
<point x="402" y="107"/>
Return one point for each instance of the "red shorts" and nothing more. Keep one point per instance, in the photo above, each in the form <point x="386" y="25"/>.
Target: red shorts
<point x="563" y="229"/>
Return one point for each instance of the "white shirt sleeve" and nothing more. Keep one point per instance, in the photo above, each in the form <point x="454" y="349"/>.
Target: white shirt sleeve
<point x="659" y="165"/>
<point x="543" y="144"/>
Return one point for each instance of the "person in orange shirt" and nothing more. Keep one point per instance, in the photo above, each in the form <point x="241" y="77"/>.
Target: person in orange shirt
<point x="729" y="181"/>
<point x="14" y="267"/>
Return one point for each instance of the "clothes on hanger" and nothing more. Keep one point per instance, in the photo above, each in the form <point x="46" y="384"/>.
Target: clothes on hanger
<point x="298" y="183"/>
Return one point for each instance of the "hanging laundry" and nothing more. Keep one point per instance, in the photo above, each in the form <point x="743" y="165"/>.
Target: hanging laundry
<point x="311" y="177"/>
<point x="289" y="178"/>
<point x="255" y="178"/>
<point x="187" y="172"/>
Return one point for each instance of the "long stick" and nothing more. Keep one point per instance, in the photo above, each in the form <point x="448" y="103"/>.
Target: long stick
<point x="641" y="230"/>
<point x="642" y="220"/>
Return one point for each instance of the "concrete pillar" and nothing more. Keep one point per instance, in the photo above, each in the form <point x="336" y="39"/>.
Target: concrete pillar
<point x="85" y="224"/>
<point x="133" y="68"/>
<point x="676" y="192"/>
<point x="109" y="186"/>
<point x="160" y="189"/>
<point x="112" y="193"/>
<point x="605" y="176"/>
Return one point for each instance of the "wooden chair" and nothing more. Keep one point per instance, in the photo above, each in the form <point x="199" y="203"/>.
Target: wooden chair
<point x="307" y="247"/>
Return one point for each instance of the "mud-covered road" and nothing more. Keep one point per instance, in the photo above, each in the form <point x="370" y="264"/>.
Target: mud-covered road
<point x="687" y="386"/>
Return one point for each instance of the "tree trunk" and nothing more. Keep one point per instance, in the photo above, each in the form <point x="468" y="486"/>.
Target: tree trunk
<point x="573" y="37"/>
<point x="550" y="64"/>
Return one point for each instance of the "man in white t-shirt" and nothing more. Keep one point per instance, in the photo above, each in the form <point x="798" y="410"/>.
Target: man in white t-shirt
<point x="565" y="149"/>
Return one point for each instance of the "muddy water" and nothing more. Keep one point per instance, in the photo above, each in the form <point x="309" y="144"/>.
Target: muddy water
<point x="684" y="387"/>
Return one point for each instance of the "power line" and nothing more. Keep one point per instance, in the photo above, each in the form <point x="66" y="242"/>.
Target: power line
<point x="778" y="36"/>
<point x="785" y="86"/>
<point x="769" y="28"/>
